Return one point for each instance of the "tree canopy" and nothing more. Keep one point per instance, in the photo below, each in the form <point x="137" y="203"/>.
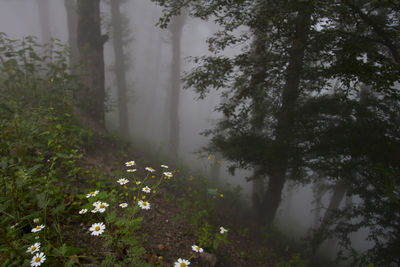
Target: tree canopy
<point x="315" y="89"/>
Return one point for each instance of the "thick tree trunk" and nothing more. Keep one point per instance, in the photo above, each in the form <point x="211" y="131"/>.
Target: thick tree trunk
<point x="90" y="44"/>
<point x="176" y="32"/>
<point x="257" y="120"/>
<point x="120" y="68"/>
<point x="285" y="117"/>
<point x="258" y="191"/>
<point x="339" y="191"/>
<point x="320" y="235"/>
<point x="44" y="20"/>
<point x="72" y="19"/>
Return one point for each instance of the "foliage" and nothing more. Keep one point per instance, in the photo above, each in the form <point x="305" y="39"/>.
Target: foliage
<point x="40" y="144"/>
<point x="350" y="45"/>
<point x="295" y="261"/>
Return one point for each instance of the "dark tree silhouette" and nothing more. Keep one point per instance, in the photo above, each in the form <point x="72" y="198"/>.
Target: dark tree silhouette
<point x="90" y="44"/>
<point x="72" y="20"/>
<point x="116" y="23"/>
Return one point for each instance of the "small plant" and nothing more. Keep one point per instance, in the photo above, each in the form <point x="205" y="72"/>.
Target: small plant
<point x="295" y="261"/>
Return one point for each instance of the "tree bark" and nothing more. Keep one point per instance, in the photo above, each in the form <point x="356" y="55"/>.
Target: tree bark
<point x="72" y="19"/>
<point x="286" y="116"/>
<point x="176" y="32"/>
<point x="120" y="68"/>
<point x="90" y="45"/>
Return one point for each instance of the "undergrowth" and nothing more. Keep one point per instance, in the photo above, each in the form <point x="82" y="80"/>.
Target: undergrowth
<point x="45" y="190"/>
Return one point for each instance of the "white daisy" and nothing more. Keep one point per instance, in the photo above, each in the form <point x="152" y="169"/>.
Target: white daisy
<point x="34" y="248"/>
<point x="144" y="205"/>
<point x="181" y="263"/>
<point x="130" y="163"/>
<point x="97" y="228"/>
<point x="123" y="205"/>
<point x="38" y="259"/>
<point x="92" y="194"/>
<point x="146" y="189"/>
<point x="37" y="228"/>
<point x="164" y="166"/>
<point x="138" y="183"/>
<point x="150" y="169"/>
<point x="82" y="211"/>
<point x="101" y="206"/>
<point x="131" y="170"/>
<point x="95" y="210"/>
<point x="168" y="174"/>
<point x="196" y="248"/>
<point x="96" y="203"/>
<point x="36" y="220"/>
<point x="123" y="181"/>
<point x="223" y="230"/>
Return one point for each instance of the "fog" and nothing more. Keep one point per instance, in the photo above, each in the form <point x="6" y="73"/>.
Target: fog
<point x="149" y="56"/>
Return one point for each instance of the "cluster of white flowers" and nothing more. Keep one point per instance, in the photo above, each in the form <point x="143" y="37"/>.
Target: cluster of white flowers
<point x="99" y="206"/>
<point x="97" y="229"/>
<point x="39" y="257"/>
<point x="182" y="262"/>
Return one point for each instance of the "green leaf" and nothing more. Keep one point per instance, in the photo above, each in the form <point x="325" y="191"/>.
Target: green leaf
<point x="42" y="201"/>
<point x="33" y="169"/>
<point x="66" y="251"/>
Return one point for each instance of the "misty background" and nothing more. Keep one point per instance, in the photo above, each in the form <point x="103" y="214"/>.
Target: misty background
<point x="149" y="58"/>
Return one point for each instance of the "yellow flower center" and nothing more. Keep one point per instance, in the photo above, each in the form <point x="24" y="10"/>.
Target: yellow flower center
<point x="102" y="206"/>
<point x="91" y="193"/>
<point x="37" y="227"/>
<point x="97" y="228"/>
<point x="183" y="264"/>
<point x="33" y="248"/>
<point x="197" y="248"/>
<point x="144" y="203"/>
<point x="37" y="259"/>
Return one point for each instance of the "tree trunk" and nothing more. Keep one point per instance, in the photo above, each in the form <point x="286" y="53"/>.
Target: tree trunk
<point x="90" y="45"/>
<point x="319" y="236"/>
<point x="176" y="32"/>
<point x="285" y="117"/>
<point x="44" y="20"/>
<point x="72" y="19"/>
<point x="339" y="191"/>
<point x="257" y="119"/>
<point x="120" y="68"/>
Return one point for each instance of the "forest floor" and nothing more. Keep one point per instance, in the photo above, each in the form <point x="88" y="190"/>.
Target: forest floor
<point x="167" y="234"/>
